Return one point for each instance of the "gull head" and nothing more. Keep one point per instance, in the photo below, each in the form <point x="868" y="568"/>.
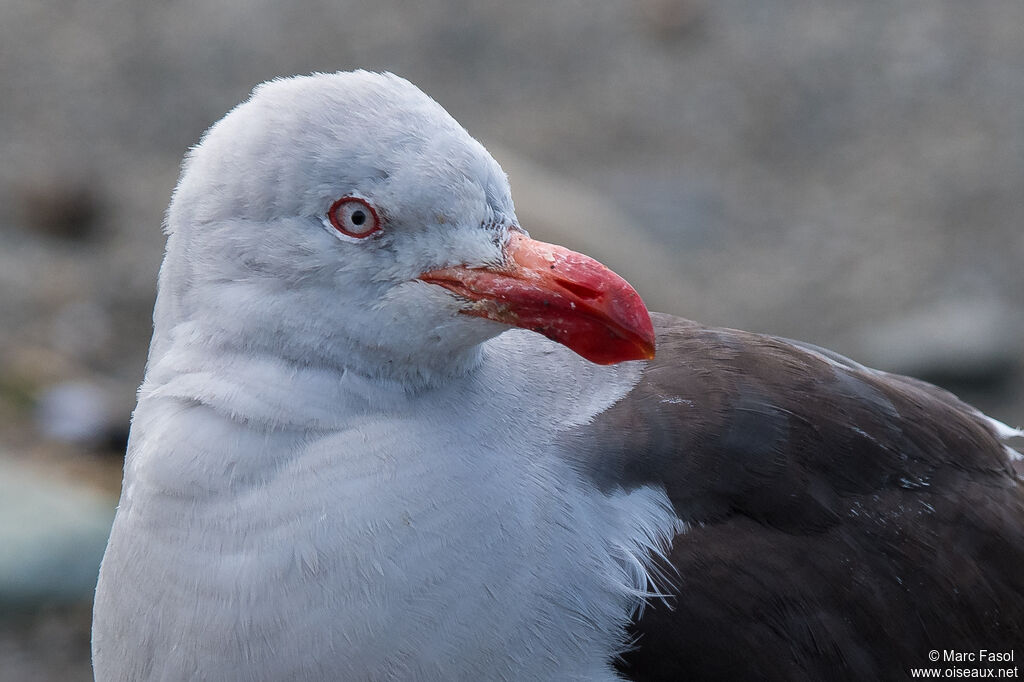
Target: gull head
<point x="346" y="220"/>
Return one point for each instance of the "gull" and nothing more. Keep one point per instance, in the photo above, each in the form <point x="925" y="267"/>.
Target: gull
<point x="385" y="435"/>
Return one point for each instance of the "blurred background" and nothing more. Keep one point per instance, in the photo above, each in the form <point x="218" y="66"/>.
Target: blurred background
<point x="846" y="172"/>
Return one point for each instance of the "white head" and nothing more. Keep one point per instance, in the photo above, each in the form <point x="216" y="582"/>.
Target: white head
<point x="316" y="220"/>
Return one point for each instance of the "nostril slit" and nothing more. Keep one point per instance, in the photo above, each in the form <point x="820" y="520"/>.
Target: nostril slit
<point x="581" y="290"/>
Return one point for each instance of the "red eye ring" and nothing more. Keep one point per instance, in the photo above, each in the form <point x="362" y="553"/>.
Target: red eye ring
<point x="353" y="217"/>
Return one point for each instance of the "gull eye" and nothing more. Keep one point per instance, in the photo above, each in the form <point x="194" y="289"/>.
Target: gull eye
<point x="354" y="217"/>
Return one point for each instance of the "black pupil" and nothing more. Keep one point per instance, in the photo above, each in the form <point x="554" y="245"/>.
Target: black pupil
<point x="358" y="217"/>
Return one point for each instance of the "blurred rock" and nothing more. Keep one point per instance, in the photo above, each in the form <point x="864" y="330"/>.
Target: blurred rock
<point x="52" y="534"/>
<point x="965" y="343"/>
<point x="80" y="413"/>
<point x="670" y="19"/>
<point x="65" y="207"/>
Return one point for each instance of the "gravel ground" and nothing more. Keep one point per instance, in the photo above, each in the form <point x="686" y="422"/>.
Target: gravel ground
<point x="847" y="173"/>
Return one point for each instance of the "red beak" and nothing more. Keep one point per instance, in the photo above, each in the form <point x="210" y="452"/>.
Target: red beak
<point x="566" y="296"/>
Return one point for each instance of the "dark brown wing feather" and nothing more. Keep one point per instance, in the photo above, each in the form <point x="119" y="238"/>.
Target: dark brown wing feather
<point x="845" y="521"/>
